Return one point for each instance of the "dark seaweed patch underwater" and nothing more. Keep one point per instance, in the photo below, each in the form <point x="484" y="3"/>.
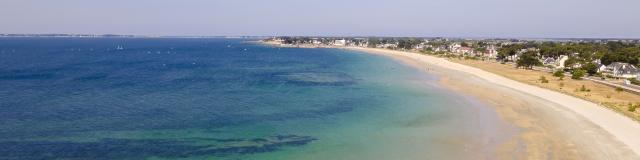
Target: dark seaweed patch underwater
<point x="142" y="148"/>
<point x="84" y="98"/>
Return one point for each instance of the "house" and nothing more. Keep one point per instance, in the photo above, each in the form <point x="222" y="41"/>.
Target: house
<point x="575" y="65"/>
<point x="601" y="68"/>
<point x="555" y="63"/>
<point x="440" y="49"/>
<point x="597" y="61"/>
<point x="622" y="70"/>
<point x="454" y="47"/>
<point x="512" y="58"/>
<point x="387" y="45"/>
<point x="465" y="50"/>
<point x="360" y="42"/>
<point x="363" y="44"/>
<point x="340" y="42"/>
<point x="315" y="41"/>
<point x="491" y="51"/>
<point x="420" y="46"/>
<point x="549" y="61"/>
<point x="561" y="60"/>
<point x="278" y="40"/>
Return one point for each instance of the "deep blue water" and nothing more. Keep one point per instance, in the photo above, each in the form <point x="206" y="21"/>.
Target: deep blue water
<point x="110" y="98"/>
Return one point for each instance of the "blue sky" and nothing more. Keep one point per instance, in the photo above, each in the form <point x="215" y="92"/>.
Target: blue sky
<point x="457" y="18"/>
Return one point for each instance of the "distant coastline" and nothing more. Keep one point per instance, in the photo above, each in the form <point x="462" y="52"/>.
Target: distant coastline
<point x="55" y="35"/>
<point x="73" y="35"/>
<point x="550" y="39"/>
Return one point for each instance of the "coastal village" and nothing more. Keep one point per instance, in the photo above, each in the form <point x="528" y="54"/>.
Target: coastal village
<point x="601" y="68"/>
<point x="568" y="55"/>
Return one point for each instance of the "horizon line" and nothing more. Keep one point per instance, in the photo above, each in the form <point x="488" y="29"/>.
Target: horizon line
<point x="323" y="36"/>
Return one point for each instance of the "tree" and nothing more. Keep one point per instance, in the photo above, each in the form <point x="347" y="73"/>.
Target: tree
<point x="627" y="54"/>
<point x="373" y="42"/>
<point x="479" y="49"/>
<point x="464" y="44"/>
<point x="570" y="62"/>
<point x="408" y="43"/>
<point x="509" y="50"/>
<point x="528" y="60"/>
<point x="578" y="74"/>
<point x="590" y="68"/>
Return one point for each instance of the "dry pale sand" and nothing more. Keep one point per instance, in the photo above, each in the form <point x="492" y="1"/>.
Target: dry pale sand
<point x="551" y="125"/>
<point x="598" y="93"/>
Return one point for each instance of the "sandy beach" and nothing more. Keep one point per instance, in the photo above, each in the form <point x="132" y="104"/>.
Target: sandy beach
<point x="552" y="125"/>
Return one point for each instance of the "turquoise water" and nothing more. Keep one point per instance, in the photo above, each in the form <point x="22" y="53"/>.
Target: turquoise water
<point x="110" y="98"/>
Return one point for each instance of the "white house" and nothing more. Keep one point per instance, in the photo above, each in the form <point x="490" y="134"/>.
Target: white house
<point x="363" y="44"/>
<point x="622" y="70"/>
<point x="315" y="41"/>
<point x="420" y="46"/>
<point x="279" y="40"/>
<point x="387" y="45"/>
<point x="454" y="47"/>
<point x="549" y="61"/>
<point x="597" y="61"/>
<point x="340" y="42"/>
<point x="602" y="68"/>
<point x="491" y="51"/>
<point x="440" y="49"/>
<point x="555" y="63"/>
<point x="512" y="58"/>
<point x="561" y="60"/>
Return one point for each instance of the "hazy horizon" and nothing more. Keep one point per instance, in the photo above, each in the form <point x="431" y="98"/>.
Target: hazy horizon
<point x="405" y="18"/>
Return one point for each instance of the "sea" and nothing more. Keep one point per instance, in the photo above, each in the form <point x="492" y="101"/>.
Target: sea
<point x="200" y="98"/>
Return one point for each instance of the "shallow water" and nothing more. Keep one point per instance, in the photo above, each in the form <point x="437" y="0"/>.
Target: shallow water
<point x="225" y="99"/>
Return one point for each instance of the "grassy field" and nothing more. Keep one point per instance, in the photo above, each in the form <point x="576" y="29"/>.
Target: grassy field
<point x="607" y="96"/>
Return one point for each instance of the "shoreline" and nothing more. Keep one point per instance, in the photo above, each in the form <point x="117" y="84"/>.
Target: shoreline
<point x="620" y="134"/>
<point x="553" y="125"/>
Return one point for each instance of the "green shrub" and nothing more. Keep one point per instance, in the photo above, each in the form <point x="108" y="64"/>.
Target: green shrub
<point x="618" y="89"/>
<point x="590" y="68"/>
<point x="634" y="81"/>
<point x="559" y="74"/>
<point x="543" y="79"/>
<point x="598" y="75"/>
<point x="578" y="74"/>
<point x="632" y="108"/>
<point x="584" y="89"/>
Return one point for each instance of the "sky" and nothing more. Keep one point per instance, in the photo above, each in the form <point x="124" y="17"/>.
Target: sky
<point x="422" y="18"/>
